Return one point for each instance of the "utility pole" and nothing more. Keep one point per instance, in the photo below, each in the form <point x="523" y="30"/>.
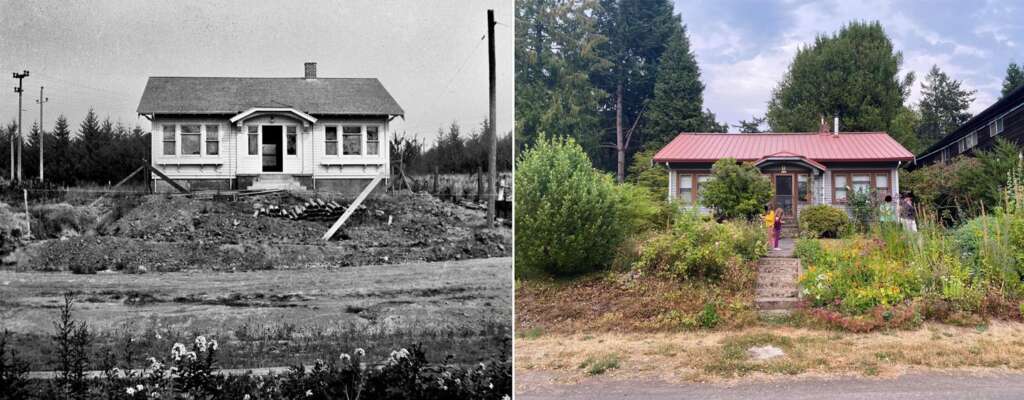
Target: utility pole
<point x="19" y="90"/>
<point x="492" y="163"/>
<point x="42" y="132"/>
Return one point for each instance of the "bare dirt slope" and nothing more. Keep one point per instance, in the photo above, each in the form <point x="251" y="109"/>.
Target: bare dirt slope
<point x="167" y="233"/>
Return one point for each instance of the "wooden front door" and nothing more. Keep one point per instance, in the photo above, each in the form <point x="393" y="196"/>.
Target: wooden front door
<point x="784" y="186"/>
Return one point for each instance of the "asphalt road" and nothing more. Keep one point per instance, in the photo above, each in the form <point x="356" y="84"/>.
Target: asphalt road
<point x="931" y="385"/>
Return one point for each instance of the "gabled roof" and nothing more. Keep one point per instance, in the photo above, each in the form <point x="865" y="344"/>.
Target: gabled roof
<point x="788" y="156"/>
<point x="321" y="96"/>
<point x="846" y="146"/>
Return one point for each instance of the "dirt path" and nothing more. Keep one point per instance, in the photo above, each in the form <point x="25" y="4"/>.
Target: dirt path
<point x="923" y="385"/>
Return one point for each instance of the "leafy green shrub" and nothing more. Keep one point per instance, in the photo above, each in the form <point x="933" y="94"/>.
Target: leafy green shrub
<point x="822" y="220"/>
<point x="570" y="218"/>
<point x="864" y="208"/>
<point x="600" y="365"/>
<point x="708" y="316"/>
<point x="736" y="190"/>
<point x="695" y="249"/>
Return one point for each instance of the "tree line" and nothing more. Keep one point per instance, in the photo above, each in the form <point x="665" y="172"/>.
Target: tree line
<point x="454" y="151"/>
<point x="619" y="77"/>
<point x="99" y="152"/>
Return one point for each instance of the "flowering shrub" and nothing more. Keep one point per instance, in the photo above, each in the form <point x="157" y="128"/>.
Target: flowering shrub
<point x="854" y="275"/>
<point x="694" y="248"/>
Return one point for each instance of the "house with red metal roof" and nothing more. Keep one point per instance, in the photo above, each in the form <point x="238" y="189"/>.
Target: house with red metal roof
<point x="804" y="168"/>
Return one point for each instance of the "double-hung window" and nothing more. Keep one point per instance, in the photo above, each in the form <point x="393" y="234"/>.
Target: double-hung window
<point x="351" y="140"/>
<point x="191" y="140"/>
<point x="803" y="188"/>
<point x="212" y="140"/>
<point x="882" y="185"/>
<point x="701" y="180"/>
<point x="372" y="140"/>
<point x="998" y="126"/>
<point x="971" y="139"/>
<point x="169" y="140"/>
<point x="254" y="140"/>
<point x="292" y="140"/>
<point x="839" y="183"/>
<point x="331" y="141"/>
<point x="961" y="146"/>
<point x="685" y="194"/>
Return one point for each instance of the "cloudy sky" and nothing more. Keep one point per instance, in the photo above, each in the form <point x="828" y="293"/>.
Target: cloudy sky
<point x="429" y="54"/>
<point x="744" y="47"/>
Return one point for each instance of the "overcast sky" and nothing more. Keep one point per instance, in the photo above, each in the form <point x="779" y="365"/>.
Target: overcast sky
<point x="428" y="54"/>
<point x="744" y="47"/>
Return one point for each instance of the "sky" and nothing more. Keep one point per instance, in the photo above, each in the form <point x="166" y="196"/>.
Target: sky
<point x="744" y="47"/>
<point x="430" y="55"/>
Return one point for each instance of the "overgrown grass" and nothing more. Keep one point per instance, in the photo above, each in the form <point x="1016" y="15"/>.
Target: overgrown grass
<point x="597" y="365"/>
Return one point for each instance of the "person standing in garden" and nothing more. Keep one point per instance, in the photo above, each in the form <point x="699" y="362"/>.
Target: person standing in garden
<point x="769" y="223"/>
<point x="886" y="212"/>
<point x="908" y="213"/>
<point x="777" y="228"/>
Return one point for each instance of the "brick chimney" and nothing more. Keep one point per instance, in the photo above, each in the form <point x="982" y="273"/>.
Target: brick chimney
<point x="311" y="70"/>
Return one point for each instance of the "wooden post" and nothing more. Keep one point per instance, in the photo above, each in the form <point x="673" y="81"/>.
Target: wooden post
<point x="435" y="181"/>
<point x="492" y="163"/>
<point x="479" y="184"/>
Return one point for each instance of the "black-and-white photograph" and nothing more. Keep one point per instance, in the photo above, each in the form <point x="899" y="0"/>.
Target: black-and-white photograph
<point x="256" y="199"/>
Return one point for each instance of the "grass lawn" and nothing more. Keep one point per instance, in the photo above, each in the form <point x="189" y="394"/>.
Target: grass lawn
<point x="273" y="317"/>
<point x="722" y="355"/>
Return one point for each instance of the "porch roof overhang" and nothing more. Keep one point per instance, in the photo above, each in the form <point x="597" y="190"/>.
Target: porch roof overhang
<point x="259" y="111"/>
<point x="787" y="157"/>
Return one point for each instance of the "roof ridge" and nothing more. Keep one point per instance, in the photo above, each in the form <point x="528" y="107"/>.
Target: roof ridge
<point x="262" y="77"/>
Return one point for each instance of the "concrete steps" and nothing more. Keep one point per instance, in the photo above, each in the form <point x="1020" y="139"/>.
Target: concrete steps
<point x="275" y="182"/>
<point x="777" y="290"/>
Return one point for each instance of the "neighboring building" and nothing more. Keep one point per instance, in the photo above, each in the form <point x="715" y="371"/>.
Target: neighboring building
<point x="252" y="133"/>
<point x="1004" y="119"/>
<point x="804" y="168"/>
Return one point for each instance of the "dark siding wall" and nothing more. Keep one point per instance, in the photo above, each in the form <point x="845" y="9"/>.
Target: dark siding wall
<point x="1013" y="130"/>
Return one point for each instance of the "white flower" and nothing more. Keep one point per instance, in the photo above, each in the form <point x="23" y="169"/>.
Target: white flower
<point x="482" y="366"/>
<point x="139" y="387"/>
<point x="246" y="397"/>
<point x="345" y="358"/>
<point x="213" y="344"/>
<point x="309" y="393"/>
<point x="130" y="390"/>
<point x="191" y="355"/>
<point x="360" y="352"/>
<point x="201" y="343"/>
<point x="177" y="351"/>
<point x="506" y="397"/>
<point x="490" y="385"/>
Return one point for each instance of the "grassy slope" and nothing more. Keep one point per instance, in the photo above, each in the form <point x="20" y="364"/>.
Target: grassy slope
<point x="270" y="318"/>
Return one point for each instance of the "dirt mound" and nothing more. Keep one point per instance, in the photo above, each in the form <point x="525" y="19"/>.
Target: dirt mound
<point x="62" y="220"/>
<point x="14" y="228"/>
<point x="170" y="233"/>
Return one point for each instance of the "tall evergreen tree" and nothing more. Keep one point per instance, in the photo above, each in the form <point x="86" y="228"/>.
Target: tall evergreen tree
<point x="555" y="59"/>
<point x="904" y="129"/>
<point x="638" y="33"/>
<point x="87" y="148"/>
<point x="59" y="153"/>
<point x="1014" y="78"/>
<point x="678" y="100"/>
<point x="943" y="106"/>
<point x="853" y="74"/>
<point x="751" y="126"/>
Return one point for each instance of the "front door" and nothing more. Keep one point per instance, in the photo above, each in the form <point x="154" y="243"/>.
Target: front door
<point x="273" y="160"/>
<point x="784" y="196"/>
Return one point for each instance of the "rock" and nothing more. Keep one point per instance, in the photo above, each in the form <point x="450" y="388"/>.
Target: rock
<point x="765" y="352"/>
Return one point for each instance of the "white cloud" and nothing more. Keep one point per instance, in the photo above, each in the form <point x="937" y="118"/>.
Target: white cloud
<point x="739" y="88"/>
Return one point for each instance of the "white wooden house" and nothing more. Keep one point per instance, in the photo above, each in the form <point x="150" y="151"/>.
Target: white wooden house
<point x="252" y="133"/>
